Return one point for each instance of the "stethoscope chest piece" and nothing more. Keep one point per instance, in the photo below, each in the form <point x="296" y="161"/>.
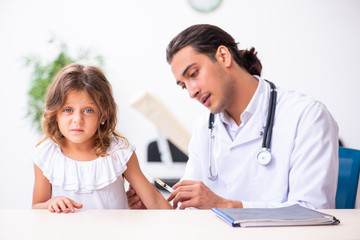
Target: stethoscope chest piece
<point x="263" y="157"/>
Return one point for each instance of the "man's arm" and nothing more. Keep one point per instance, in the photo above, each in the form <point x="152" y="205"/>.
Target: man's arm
<point x="315" y="159"/>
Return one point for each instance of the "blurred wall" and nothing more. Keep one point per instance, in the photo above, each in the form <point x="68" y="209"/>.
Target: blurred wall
<point x="310" y="46"/>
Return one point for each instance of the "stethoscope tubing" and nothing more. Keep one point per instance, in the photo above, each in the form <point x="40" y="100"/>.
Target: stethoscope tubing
<point x="267" y="131"/>
<point x="270" y="118"/>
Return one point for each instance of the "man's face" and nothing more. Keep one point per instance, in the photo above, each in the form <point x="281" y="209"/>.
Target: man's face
<point x="206" y="80"/>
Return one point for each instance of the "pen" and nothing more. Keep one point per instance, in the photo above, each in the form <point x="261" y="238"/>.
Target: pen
<point x="164" y="185"/>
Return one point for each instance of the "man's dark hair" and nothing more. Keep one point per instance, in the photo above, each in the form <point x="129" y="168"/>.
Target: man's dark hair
<point x="206" y="39"/>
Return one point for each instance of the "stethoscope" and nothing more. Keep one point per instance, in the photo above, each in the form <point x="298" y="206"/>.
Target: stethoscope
<point x="263" y="157"/>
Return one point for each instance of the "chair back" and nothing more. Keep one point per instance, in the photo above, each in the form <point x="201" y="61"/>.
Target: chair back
<point x="349" y="170"/>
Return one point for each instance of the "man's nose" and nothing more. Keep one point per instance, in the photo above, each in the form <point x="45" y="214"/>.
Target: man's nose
<point x="193" y="90"/>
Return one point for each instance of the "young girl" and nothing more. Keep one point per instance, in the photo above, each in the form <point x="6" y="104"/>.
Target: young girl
<point x="81" y="161"/>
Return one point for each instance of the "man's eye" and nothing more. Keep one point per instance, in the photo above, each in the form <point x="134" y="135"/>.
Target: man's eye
<point x="88" y="110"/>
<point x="181" y="84"/>
<point x="194" y="74"/>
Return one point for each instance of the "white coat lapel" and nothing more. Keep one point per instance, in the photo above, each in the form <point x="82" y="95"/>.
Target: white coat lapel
<point x="220" y="131"/>
<point x="252" y="130"/>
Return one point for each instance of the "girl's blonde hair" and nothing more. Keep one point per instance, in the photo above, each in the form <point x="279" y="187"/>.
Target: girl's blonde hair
<point x="90" y="79"/>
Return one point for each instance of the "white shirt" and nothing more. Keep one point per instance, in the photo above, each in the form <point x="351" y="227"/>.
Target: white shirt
<point x="97" y="184"/>
<point x="304" y="149"/>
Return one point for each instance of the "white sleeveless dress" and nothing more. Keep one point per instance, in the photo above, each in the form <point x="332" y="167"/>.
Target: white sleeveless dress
<point x="97" y="184"/>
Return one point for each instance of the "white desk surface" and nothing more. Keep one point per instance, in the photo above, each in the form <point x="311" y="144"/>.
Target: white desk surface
<point x="159" y="224"/>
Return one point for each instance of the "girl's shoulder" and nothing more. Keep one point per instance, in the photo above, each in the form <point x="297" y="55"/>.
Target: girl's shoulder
<point x="120" y="149"/>
<point x="118" y="143"/>
<point x="46" y="145"/>
<point x="46" y="149"/>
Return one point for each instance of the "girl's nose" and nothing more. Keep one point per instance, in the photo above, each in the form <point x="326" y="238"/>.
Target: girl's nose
<point x="77" y="117"/>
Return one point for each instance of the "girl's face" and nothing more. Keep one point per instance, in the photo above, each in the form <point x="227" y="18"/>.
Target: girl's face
<point x="78" y="119"/>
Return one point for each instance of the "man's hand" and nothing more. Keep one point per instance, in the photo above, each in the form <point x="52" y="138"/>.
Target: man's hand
<point x="134" y="201"/>
<point x="197" y="194"/>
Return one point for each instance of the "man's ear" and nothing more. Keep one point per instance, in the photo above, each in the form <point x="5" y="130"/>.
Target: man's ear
<point x="223" y="56"/>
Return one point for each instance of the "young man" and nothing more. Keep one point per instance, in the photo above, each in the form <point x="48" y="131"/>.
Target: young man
<point x="251" y="118"/>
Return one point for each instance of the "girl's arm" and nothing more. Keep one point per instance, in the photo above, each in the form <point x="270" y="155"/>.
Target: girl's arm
<point x="151" y="198"/>
<point x="42" y="190"/>
<point x="42" y="196"/>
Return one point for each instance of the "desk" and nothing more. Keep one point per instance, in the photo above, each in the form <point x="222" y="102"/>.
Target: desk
<point x="159" y="224"/>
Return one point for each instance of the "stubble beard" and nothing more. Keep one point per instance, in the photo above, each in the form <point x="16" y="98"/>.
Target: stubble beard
<point x="227" y="94"/>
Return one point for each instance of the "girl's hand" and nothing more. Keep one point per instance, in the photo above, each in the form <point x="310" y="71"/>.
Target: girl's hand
<point x="62" y="204"/>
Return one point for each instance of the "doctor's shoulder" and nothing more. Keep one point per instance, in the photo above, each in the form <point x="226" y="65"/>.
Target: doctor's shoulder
<point x="299" y="106"/>
<point x="292" y="101"/>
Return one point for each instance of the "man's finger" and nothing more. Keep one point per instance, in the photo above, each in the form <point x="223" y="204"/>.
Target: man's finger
<point x="185" y="183"/>
<point x="134" y="199"/>
<point x="130" y="192"/>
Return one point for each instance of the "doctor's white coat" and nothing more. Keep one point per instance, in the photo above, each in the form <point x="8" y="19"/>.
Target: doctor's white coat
<point x="304" y="148"/>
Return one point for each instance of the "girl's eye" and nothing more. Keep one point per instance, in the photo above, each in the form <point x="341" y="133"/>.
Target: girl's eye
<point x="67" y="110"/>
<point x="183" y="87"/>
<point x="88" y="110"/>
